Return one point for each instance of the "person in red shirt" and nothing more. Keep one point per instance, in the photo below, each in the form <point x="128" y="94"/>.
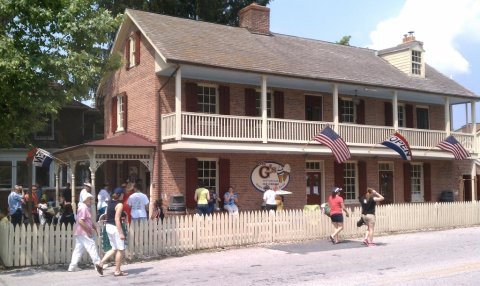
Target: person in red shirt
<point x="335" y="201"/>
<point x="126" y="207"/>
<point x="34" y="203"/>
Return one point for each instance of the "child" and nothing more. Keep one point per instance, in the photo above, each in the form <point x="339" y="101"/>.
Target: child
<point x="42" y="209"/>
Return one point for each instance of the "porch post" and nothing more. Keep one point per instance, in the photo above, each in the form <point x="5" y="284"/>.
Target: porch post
<point x="474" y="115"/>
<point x="447" y="115"/>
<point x="93" y="192"/>
<point x="395" y="109"/>
<point x="178" y="104"/>
<point x="72" y="184"/>
<point x="264" y="109"/>
<point x="57" y="184"/>
<point x="473" y="181"/>
<point x="335" y="107"/>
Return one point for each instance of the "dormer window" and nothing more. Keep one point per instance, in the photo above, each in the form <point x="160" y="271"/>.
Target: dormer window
<point x="416" y="62"/>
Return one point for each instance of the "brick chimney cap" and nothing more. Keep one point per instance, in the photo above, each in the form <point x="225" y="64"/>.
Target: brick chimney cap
<point x="255" y="6"/>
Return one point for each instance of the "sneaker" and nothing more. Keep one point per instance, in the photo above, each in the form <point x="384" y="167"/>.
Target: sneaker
<point x="99" y="269"/>
<point x="73" y="268"/>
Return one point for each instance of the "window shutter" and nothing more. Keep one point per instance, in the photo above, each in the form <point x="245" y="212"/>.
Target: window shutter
<point x="114" y="114"/>
<point x="340" y="110"/>
<point x="191" y="180"/>
<point x="409" y="115"/>
<point x="338" y="174"/>
<point x="362" y="178"/>
<point x="427" y="181"/>
<point x="361" y="112"/>
<point x="250" y="109"/>
<point x="388" y="114"/>
<point x="191" y="94"/>
<point x="125" y="111"/>
<point x="224" y="177"/>
<point x="407" y="182"/>
<point x="138" y="39"/>
<point x="127" y="53"/>
<point x="278" y="104"/>
<point x="224" y="99"/>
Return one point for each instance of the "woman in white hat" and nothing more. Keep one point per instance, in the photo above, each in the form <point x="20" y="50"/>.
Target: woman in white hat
<point x="87" y="189"/>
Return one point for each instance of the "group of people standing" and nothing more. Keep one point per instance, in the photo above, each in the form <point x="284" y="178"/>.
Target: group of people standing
<point x="207" y="199"/>
<point x="368" y="204"/>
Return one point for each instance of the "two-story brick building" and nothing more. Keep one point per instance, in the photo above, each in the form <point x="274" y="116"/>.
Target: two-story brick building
<point x="240" y="106"/>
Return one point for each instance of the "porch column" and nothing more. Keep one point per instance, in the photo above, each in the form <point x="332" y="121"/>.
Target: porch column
<point x="178" y="104"/>
<point x="335" y="107"/>
<point x="72" y="184"/>
<point x="264" y="109"/>
<point x="57" y="184"/>
<point x="474" y="115"/>
<point x="447" y="116"/>
<point x="93" y="192"/>
<point x="395" y="109"/>
<point x="473" y="181"/>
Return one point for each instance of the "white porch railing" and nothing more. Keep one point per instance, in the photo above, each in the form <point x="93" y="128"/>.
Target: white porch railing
<point x="231" y="128"/>
<point x="25" y="246"/>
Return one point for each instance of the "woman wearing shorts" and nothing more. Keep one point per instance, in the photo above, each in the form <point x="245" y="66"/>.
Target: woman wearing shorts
<point x="368" y="213"/>
<point x="115" y="231"/>
<point x="335" y="201"/>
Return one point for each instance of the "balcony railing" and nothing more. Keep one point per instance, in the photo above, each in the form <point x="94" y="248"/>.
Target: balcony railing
<point x="217" y="127"/>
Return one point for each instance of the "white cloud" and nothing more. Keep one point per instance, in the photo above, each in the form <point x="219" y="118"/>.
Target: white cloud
<point x="439" y="25"/>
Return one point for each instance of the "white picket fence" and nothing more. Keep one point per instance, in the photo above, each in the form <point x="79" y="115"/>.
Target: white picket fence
<point x="37" y="245"/>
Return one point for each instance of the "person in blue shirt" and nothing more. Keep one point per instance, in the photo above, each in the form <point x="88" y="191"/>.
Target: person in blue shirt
<point x="230" y="201"/>
<point x="15" y="201"/>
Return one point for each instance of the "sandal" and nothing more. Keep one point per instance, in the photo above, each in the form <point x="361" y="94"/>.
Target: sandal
<point x="99" y="269"/>
<point x="121" y="273"/>
<point x="333" y="240"/>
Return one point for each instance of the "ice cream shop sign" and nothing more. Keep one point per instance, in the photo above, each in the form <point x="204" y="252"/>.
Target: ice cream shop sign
<point x="270" y="174"/>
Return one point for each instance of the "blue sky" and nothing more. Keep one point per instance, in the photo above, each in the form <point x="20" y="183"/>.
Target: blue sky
<point x="450" y="31"/>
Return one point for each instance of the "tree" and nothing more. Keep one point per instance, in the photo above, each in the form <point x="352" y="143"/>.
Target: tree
<point x="345" y="40"/>
<point x="52" y="52"/>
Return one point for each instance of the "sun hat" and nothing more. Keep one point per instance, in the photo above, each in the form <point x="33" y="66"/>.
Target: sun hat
<point x="87" y="196"/>
<point x="336" y="190"/>
<point x="87" y="184"/>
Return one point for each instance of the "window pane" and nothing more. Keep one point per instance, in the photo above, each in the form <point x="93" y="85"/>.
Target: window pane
<point x="207" y="99"/>
<point x="349" y="181"/>
<point x="208" y="173"/>
<point x="258" y="103"/>
<point x="348" y="111"/>
<point x="6" y="174"/>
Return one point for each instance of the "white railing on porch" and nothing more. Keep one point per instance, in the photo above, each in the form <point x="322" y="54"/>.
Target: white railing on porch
<point x="230" y="128"/>
<point x="25" y="246"/>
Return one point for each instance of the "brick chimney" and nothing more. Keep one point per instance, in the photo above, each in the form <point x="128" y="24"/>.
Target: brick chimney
<point x="408" y="37"/>
<point x="256" y="19"/>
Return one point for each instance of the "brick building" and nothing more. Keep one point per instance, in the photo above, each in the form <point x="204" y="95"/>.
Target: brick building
<point x="240" y="106"/>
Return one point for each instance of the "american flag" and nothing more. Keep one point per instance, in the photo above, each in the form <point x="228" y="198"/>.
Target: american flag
<point x="340" y="150"/>
<point x="452" y="145"/>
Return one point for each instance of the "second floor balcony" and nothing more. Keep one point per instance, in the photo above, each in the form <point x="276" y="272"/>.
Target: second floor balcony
<point x="214" y="128"/>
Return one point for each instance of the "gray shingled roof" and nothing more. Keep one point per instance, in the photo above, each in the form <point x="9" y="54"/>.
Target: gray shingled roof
<point x="201" y="43"/>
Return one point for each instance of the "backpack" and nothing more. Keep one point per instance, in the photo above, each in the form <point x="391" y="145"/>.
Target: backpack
<point x="325" y="209"/>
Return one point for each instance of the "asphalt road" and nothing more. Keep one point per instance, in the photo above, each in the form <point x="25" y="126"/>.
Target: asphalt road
<point x="450" y="257"/>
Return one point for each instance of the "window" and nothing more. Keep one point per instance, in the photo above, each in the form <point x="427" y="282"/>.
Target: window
<point x="350" y="181"/>
<point x="207" y="172"/>
<point x="42" y="176"/>
<point x="314" y="166"/>
<point x="347" y="112"/>
<point x="401" y="115"/>
<point x="120" y="114"/>
<point x="132" y="54"/>
<point x="416" y="62"/>
<point x="47" y="132"/>
<point x="22" y="173"/>
<point x="207" y="99"/>
<point x="258" y="103"/>
<point x="417" y="182"/>
<point x="422" y="118"/>
<point x="6" y="174"/>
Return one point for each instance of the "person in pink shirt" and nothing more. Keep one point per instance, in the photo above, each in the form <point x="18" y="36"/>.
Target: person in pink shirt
<point x="83" y="231"/>
<point x="335" y="201"/>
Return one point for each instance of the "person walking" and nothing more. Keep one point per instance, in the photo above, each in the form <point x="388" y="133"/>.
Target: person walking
<point x="83" y="232"/>
<point x="87" y="189"/>
<point x="231" y="201"/>
<point x="369" y="202"/>
<point x="335" y="201"/>
<point x="103" y="197"/>
<point x="114" y="229"/>
<point x="138" y="203"/>
<point x="15" y="201"/>
<point x="202" y="196"/>
<point x="269" y="199"/>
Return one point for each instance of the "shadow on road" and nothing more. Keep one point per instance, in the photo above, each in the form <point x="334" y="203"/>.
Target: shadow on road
<point x="319" y="245"/>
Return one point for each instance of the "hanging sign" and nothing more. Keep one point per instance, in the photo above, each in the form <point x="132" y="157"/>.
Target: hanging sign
<point x="270" y="174"/>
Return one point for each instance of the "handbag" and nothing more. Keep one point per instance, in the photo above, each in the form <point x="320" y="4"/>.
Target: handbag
<point x="325" y="209"/>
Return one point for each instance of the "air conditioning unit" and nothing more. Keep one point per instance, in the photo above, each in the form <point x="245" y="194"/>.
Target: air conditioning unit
<point x="177" y="203"/>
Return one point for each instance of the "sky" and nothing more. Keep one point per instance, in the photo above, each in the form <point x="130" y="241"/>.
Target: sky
<point x="449" y="29"/>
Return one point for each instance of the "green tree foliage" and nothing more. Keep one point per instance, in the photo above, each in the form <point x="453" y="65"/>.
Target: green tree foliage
<point x="52" y="52"/>
<point x="345" y="40"/>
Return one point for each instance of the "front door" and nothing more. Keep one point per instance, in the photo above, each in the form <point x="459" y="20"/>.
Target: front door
<point x="313" y="183"/>
<point x="313" y="108"/>
<point x="385" y="181"/>
<point x="467" y="188"/>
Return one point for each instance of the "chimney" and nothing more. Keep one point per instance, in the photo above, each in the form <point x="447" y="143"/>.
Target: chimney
<point x="408" y="37"/>
<point x="256" y="19"/>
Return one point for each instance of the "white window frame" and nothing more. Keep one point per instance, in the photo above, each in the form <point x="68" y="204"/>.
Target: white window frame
<point x="316" y="166"/>
<point x="201" y="104"/>
<point x="120" y="111"/>
<point x="132" y="54"/>
<point x="416" y="63"/>
<point x="401" y="115"/>
<point x="350" y="182"/>
<point x="417" y="183"/>
<point x="353" y="108"/>
<point x="215" y="160"/>
<point x="258" y="103"/>
<point x="50" y="136"/>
